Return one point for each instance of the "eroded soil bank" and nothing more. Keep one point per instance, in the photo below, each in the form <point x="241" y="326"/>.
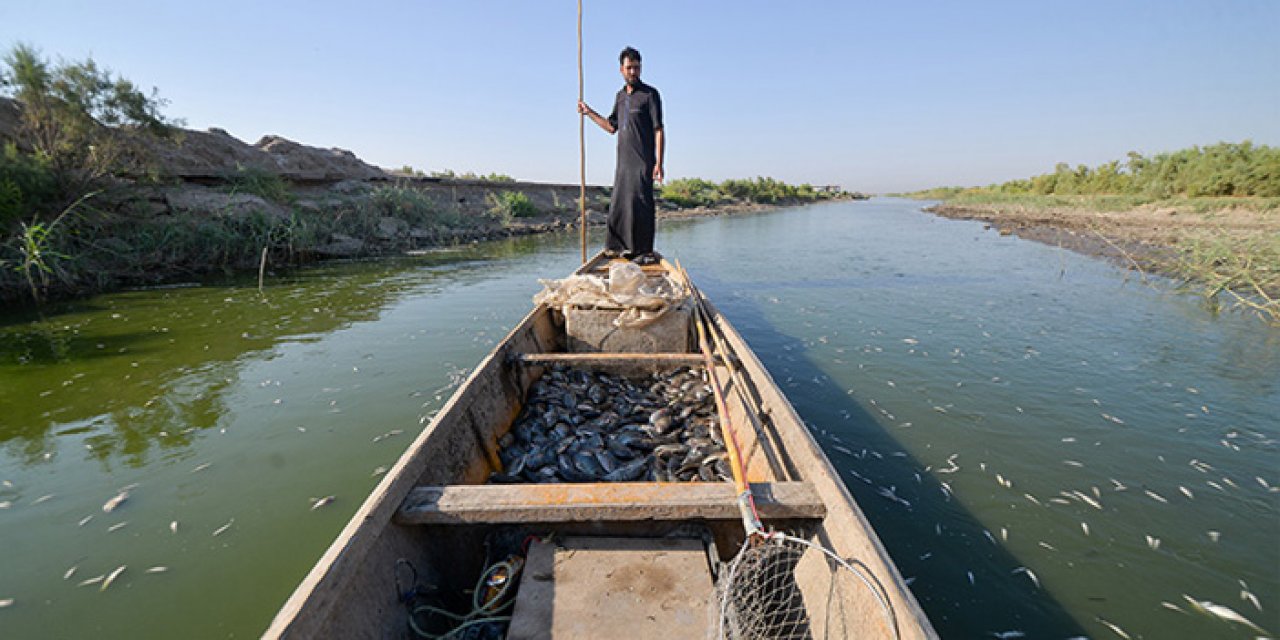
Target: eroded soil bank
<point x="1183" y="242"/>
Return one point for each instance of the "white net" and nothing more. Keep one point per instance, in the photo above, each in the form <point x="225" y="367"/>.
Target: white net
<point x="642" y="299"/>
<point x="780" y="586"/>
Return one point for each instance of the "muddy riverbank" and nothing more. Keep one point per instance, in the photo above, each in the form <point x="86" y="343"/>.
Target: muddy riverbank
<point x="1217" y="245"/>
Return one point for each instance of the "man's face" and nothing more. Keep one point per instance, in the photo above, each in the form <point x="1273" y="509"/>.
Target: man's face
<point x="631" y="71"/>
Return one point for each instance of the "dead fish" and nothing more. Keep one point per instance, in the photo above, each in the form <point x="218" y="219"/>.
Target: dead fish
<point x="1031" y="498"/>
<point x="989" y="536"/>
<point x="173" y="526"/>
<point x="85" y="520"/>
<point x="1155" y="496"/>
<point x="44" y="498"/>
<point x="1008" y="635"/>
<point x="891" y="494"/>
<point x="220" y="530"/>
<point x="1186" y="492"/>
<point x="117" y="526"/>
<point x="1084" y="526"/>
<point x="1248" y="596"/>
<point x="6" y="504"/>
<point x="1073" y="463"/>
<point x="317" y="503"/>
<point x="379" y="471"/>
<point x="1089" y="501"/>
<point x="1222" y="612"/>
<point x="1032" y="576"/>
<point x="1117" y="630"/>
<point x="7" y="602"/>
<point x="202" y="467"/>
<point x="1214" y="535"/>
<point x="1171" y="606"/>
<point x="971" y="580"/>
<point x="111" y="578"/>
<point x="93" y="580"/>
<point x="70" y="572"/>
<point x="1153" y="543"/>
<point x="157" y="569"/>
<point x="115" y="502"/>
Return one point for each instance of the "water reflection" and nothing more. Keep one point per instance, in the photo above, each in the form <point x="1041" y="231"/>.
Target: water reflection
<point x="150" y="368"/>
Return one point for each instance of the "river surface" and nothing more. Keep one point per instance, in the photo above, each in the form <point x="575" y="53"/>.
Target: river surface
<point x="1045" y="443"/>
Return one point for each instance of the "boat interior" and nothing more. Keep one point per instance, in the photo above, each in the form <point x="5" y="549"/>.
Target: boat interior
<point x="439" y="549"/>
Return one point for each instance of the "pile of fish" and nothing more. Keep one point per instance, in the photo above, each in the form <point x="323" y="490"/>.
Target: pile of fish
<point x="581" y="426"/>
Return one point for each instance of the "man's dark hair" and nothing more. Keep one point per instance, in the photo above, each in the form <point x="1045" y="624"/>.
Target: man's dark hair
<point x="629" y="52"/>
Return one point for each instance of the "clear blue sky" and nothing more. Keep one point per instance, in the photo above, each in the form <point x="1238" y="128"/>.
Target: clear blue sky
<point x="876" y="96"/>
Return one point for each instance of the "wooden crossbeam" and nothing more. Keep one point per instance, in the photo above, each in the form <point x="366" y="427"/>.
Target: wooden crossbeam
<point x="676" y="359"/>
<point x="616" y="502"/>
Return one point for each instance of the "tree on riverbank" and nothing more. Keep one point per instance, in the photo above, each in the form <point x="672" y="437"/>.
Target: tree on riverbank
<point x="66" y="118"/>
<point x="74" y="124"/>
<point x="696" y="192"/>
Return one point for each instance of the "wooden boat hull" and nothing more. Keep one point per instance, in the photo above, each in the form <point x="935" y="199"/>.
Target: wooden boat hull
<point x="433" y="509"/>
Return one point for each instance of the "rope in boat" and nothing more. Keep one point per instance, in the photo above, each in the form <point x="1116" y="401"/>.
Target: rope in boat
<point x="486" y="604"/>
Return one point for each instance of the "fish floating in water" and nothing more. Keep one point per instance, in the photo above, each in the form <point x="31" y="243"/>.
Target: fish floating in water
<point x="579" y="426"/>
<point x="1028" y="572"/>
<point x="1114" y="629"/>
<point x="115" y="502"/>
<point x="112" y="577"/>
<point x="316" y="503"/>
<point x="7" y="602"/>
<point x="220" y="530"/>
<point x="1223" y="613"/>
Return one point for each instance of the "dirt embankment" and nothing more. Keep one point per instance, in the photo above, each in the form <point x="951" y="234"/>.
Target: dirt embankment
<point x="1153" y="237"/>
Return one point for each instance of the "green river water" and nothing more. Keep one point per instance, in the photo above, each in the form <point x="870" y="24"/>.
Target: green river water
<point x="971" y="388"/>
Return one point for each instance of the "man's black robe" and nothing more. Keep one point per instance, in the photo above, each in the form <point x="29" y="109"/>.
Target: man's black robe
<point x="636" y="117"/>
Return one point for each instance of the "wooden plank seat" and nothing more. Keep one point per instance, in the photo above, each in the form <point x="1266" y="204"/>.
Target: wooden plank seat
<point x="610" y="502"/>
<point x="588" y="359"/>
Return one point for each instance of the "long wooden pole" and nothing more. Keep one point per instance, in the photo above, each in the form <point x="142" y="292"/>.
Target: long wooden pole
<point x="746" y="501"/>
<point x="582" y="147"/>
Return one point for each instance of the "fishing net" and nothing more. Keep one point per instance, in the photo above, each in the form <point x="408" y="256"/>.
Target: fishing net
<point x="759" y="593"/>
<point x="642" y="299"/>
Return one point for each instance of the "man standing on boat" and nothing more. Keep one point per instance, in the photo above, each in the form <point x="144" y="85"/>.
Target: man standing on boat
<point x="637" y="119"/>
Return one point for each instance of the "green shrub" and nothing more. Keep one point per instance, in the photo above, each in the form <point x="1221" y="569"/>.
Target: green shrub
<point x="411" y="205"/>
<point x="1222" y="170"/>
<point x="64" y="108"/>
<point x="450" y="174"/>
<point x="510" y="204"/>
<point x="28" y="187"/>
<point x="261" y="183"/>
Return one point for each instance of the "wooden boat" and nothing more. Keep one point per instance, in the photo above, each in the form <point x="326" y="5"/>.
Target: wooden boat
<point x="644" y="551"/>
